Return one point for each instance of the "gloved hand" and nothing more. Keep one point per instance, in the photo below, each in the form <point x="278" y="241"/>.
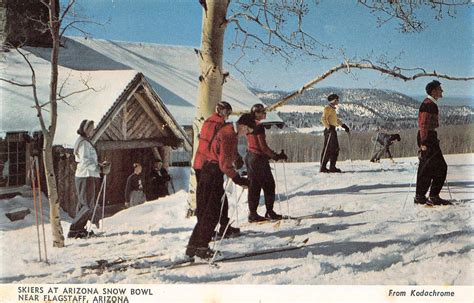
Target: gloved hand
<point x="346" y="128"/>
<point x="105" y="167"/>
<point x="239" y="162"/>
<point x="280" y="156"/>
<point x="244" y="182"/>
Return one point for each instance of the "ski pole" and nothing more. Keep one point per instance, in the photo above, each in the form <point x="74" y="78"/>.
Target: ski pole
<point x="449" y="190"/>
<point x="172" y="185"/>
<point x="409" y="189"/>
<point x="374" y="140"/>
<point x="276" y="185"/>
<point x="222" y="208"/>
<point x="103" y="204"/>
<point x="326" y="149"/>
<point x="216" y="246"/>
<point x="286" y="188"/>
<point x="95" y="207"/>
<point x="33" y="186"/>
<point x="41" y="207"/>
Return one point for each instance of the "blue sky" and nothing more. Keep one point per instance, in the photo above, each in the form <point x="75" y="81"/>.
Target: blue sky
<point x="445" y="46"/>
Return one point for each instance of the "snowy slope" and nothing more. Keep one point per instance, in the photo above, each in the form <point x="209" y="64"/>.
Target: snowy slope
<point x="366" y="230"/>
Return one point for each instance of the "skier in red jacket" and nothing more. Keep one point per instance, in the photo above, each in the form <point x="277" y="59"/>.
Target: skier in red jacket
<point x="220" y="156"/>
<point x="258" y="168"/>
<point x="208" y="132"/>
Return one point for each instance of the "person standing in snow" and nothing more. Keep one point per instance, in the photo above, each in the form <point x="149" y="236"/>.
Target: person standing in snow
<point x="208" y="133"/>
<point x="220" y="156"/>
<point x="159" y="178"/>
<point x="258" y="168"/>
<point x="385" y="140"/>
<point x="432" y="168"/>
<point x="330" y="121"/>
<point x="134" y="191"/>
<point x="87" y="173"/>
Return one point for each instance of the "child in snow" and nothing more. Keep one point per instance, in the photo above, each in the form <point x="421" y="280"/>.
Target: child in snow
<point x="134" y="193"/>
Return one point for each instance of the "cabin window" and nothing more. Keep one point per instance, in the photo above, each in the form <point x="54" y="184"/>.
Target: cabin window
<point x="12" y="160"/>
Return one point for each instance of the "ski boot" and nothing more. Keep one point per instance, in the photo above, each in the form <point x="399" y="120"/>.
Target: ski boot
<point x="271" y="215"/>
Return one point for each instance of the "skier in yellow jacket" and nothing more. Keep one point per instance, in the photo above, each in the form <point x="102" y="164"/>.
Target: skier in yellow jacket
<point x="330" y="121"/>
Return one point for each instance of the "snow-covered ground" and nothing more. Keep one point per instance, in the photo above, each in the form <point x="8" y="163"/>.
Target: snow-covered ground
<point x="365" y="231"/>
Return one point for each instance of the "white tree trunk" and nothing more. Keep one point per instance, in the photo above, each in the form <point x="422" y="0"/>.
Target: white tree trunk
<point x="211" y="74"/>
<point x="54" y="218"/>
<point x="57" y="231"/>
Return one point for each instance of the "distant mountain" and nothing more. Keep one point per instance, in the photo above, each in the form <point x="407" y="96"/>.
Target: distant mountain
<point x="362" y="109"/>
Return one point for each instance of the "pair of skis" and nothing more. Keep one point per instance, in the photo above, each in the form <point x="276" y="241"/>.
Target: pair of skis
<point x="121" y="264"/>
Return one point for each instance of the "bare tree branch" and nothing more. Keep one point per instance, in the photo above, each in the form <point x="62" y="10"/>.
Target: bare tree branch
<point x="406" y="11"/>
<point x="280" y="29"/>
<point x="15" y="83"/>
<point x="395" y="72"/>
<point x="35" y="93"/>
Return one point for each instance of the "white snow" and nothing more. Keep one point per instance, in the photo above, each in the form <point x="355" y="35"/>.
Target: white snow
<point x="367" y="231"/>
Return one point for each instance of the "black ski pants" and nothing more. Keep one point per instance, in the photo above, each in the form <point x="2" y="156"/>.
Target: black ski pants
<point x="209" y="194"/>
<point x="330" y="150"/>
<point x="224" y="220"/>
<point x="432" y="170"/>
<point x="260" y="177"/>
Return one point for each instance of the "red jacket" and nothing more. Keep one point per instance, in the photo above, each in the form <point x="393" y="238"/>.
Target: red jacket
<point x="427" y="120"/>
<point x="208" y="131"/>
<point x="257" y="143"/>
<point x="224" y="150"/>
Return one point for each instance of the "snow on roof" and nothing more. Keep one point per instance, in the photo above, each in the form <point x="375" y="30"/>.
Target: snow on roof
<point x="18" y="113"/>
<point x="108" y="66"/>
<point x="172" y="71"/>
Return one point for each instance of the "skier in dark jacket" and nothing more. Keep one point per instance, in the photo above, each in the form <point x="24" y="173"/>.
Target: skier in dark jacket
<point x="208" y="133"/>
<point x="330" y="150"/>
<point x="432" y="168"/>
<point x="134" y="190"/>
<point x="159" y="178"/>
<point x="258" y="169"/>
<point x="220" y="158"/>
<point x="385" y="140"/>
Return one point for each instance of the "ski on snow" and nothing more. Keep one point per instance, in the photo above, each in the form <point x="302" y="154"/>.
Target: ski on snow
<point x="124" y="264"/>
<point x="234" y="257"/>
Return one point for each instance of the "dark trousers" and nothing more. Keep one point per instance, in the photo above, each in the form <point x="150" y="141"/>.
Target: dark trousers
<point x="225" y="208"/>
<point x="209" y="194"/>
<point x="380" y="152"/>
<point x="260" y="177"/>
<point x="432" y="171"/>
<point x="85" y="190"/>
<point x="330" y="150"/>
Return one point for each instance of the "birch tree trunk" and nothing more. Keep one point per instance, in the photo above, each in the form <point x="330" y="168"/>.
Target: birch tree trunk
<point x="211" y="77"/>
<point x="56" y="228"/>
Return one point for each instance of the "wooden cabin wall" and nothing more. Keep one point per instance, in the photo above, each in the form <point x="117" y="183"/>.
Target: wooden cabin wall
<point x="122" y="167"/>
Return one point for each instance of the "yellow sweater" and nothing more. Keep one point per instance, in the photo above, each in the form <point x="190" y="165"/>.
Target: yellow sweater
<point x="329" y="117"/>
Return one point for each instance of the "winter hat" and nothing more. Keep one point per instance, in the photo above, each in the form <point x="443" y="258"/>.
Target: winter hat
<point x="332" y="98"/>
<point x="84" y="126"/>
<point x="257" y="108"/>
<point x="247" y="119"/>
<point x="223" y="105"/>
